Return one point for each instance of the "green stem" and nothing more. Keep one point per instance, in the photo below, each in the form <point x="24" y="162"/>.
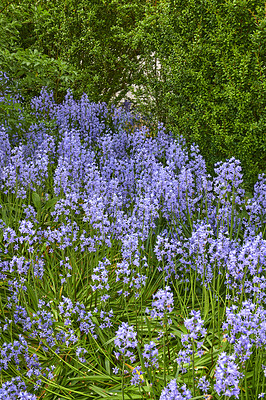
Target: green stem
<point x="123" y="379"/>
<point x="193" y="368"/>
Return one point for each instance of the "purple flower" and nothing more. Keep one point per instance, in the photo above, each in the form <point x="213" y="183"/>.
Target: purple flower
<point x="162" y="304"/>
<point x="192" y="340"/>
<point x="137" y="376"/>
<point x="194" y="325"/>
<point x="256" y="206"/>
<point x="246" y="328"/>
<point x="79" y="352"/>
<point x="100" y="279"/>
<point x="115" y="370"/>
<point x="227" y="376"/>
<point x="150" y="355"/>
<point x="173" y="392"/>
<point x="15" y="389"/>
<point x="125" y="339"/>
<point x="204" y="384"/>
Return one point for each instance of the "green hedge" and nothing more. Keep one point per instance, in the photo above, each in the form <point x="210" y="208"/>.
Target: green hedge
<point x="211" y="88"/>
<point x="81" y="44"/>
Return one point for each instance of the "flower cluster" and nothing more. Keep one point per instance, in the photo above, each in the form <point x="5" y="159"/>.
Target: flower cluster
<point x="125" y="339"/>
<point x="192" y="340"/>
<point x="150" y="355"/>
<point x="15" y="389"/>
<point x="173" y="392"/>
<point x="162" y="305"/>
<point x="227" y="376"/>
<point x="246" y="329"/>
<point x="137" y="376"/>
<point x="100" y="276"/>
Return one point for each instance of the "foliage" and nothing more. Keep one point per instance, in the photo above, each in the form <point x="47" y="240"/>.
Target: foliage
<point x="211" y="86"/>
<point x="82" y="45"/>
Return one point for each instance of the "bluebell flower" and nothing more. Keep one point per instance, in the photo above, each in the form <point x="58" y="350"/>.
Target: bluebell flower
<point x="137" y="376"/>
<point x="173" y="392"/>
<point x="162" y="305"/>
<point x="15" y="389"/>
<point x="150" y="355"/>
<point x="227" y="376"/>
<point x="125" y="339"/>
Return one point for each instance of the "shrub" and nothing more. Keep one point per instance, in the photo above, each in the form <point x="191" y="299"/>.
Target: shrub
<point x="211" y="86"/>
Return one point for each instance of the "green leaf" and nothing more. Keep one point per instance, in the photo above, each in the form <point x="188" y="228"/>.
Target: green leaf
<point x="50" y="203"/>
<point x="36" y="201"/>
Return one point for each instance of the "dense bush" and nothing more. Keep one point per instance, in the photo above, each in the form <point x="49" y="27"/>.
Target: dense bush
<point x="126" y="271"/>
<point x="83" y="45"/>
<point x="211" y="87"/>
